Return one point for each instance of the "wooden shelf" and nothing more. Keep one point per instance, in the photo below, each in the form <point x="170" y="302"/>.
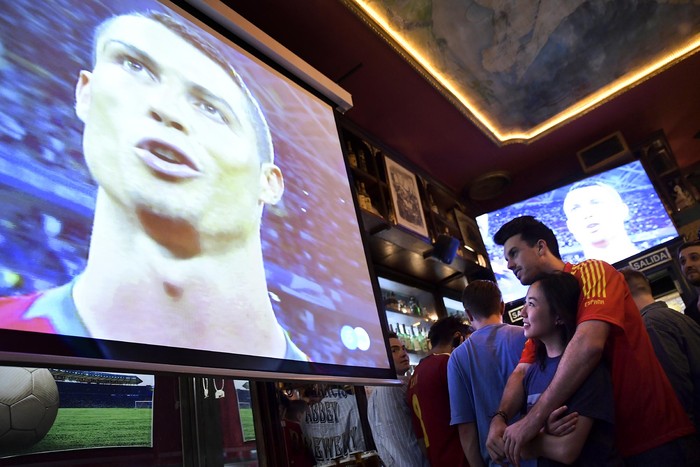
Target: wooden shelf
<point x="395" y="248"/>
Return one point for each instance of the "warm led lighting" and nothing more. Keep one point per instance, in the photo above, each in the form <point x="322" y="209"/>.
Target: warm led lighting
<point x="427" y="65"/>
<point x="597" y="98"/>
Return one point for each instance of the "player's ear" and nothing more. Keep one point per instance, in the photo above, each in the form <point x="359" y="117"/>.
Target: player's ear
<point x="568" y="225"/>
<point x="625" y="211"/>
<point x="271" y="183"/>
<point x="83" y="95"/>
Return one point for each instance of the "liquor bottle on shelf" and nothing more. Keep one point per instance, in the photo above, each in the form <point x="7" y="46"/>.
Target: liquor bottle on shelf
<point x="426" y="342"/>
<point x="352" y="157"/>
<point x="363" y="198"/>
<point x="414" y="306"/>
<point x="433" y="206"/>
<point x="361" y="159"/>
<point x="399" y="334"/>
<point x="411" y="345"/>
<point x="416" y="339"/>
<point x="405" y="338"/>
<point x="392" y="216"/>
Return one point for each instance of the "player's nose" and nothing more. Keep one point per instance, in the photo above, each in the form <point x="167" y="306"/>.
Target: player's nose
<point x="164" y="107"/>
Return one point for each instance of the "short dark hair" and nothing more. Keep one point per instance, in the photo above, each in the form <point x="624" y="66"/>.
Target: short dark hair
<point x="562" y="292"/>
<point x="189" y="34"/>
<point x="482" y="298"/>
<point x="688" y="244"/>
<point x="636" y="281"/>
<point x="443" y="330"/>
<point x="530" y="230"/>
<point x="391" y="335"/>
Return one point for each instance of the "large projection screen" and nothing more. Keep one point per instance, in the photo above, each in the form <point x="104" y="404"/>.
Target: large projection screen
<point x="145" y="222"/>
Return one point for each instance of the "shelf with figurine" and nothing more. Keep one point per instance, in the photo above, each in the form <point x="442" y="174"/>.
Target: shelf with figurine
<point x="672" y="183"/>
<point x="362" y="159"/>
<point x="370" y="186"/>
<point x="442" y="204"/>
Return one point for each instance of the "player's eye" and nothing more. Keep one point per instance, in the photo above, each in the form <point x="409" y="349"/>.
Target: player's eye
<point x="211" y="111"/>
<point x="132" y="65"/>
<point x="135" y="66"/>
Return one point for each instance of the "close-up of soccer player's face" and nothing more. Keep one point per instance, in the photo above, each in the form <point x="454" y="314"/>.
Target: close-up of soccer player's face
<point x="168" y="131"/>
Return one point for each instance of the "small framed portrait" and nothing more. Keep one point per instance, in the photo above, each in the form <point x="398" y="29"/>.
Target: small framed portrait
<point x="470" y="232"/>
<point x="406" y="198"/>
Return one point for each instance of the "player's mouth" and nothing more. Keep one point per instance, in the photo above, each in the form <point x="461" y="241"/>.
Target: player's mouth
<point x="166" y="159"/>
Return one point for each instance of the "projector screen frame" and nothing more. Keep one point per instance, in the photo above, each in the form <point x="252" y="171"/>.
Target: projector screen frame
<point x="72" y="351"/>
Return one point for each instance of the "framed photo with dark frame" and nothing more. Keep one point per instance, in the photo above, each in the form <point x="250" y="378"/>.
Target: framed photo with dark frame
<point x="470" y="232"/>
<point x="406" y="198"/>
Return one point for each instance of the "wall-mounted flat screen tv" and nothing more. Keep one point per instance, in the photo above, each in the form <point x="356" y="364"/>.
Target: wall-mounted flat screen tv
<point x="610" y="216"/>
<point x="171" y="202"/>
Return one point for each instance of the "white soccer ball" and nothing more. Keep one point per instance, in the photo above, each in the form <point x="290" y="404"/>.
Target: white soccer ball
<point x="28" y="405"/>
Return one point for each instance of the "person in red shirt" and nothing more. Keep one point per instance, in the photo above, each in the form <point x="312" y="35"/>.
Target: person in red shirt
<point x="651" y="426"/>
<point x="429" y="399"/>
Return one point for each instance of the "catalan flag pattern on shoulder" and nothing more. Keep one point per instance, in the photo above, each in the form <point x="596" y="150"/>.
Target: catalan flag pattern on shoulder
<point x="593" y="280"/>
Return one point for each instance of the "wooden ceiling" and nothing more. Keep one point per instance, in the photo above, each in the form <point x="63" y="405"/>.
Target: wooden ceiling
<point x="399" y="107"/>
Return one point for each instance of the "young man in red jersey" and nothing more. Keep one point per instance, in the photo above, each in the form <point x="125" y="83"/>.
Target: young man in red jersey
<point x="651" y="426"/>
<point x="428" y="396"/>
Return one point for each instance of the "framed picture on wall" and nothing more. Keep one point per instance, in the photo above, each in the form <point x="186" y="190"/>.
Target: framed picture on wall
<point x="406" y="198"/>
<point x="469" y="231"/>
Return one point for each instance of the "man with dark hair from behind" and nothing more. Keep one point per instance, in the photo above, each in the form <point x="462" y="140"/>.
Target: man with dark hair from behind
<point x="650" y="423"/>
<point x="689" y="262"/>
<point x="477" y="370"/>
<point x="676" y="341"/>
<point x="183" y="158"/>
<point x="428" y="396"/>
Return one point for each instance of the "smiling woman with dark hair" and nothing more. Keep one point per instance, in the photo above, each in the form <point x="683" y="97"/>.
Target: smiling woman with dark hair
<point x="549" y="319"/>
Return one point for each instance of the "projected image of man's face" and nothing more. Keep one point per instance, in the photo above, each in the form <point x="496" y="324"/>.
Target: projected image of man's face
<point x="595" y="215"/>
<point x="168" y="130"/>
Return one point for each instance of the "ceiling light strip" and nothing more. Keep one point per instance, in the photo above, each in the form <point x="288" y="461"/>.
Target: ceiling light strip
<point x="579" y="108"/>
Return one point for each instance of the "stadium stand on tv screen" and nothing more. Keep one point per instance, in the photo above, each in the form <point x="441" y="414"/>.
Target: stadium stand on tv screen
<point x="46" y="410"/>
<point x="168" y="201"/>
<point x="610" y="216"/>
